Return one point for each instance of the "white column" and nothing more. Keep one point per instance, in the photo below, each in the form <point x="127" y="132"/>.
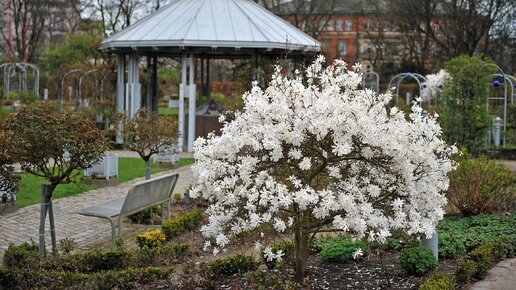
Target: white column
<point x="120" y="92"/>
<point x="133" y="87"/>
<point x="191" y="107"/>
<point x="182" y="92"/>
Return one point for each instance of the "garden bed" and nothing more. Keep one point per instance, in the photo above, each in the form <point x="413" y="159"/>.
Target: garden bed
<point x="180" y="263"/>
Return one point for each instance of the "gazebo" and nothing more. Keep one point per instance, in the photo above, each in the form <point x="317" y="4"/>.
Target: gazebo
<point x="205" y="29"/>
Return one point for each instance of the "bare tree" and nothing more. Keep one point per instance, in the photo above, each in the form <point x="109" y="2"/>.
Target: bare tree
<point x="23" y="38"/>
<point x="455" y="26"/>
<point x="312" y="17"/>
<point x="114" y="15"/>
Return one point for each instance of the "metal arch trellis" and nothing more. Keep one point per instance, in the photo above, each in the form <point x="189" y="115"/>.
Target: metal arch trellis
<point x="505" y="77"/>
<point x="22" y="67"/>
<point x="371" y="80"/>
<point x="62" y="79"/>
<point x="496" y="83"/>
<point x="396" y="81"/>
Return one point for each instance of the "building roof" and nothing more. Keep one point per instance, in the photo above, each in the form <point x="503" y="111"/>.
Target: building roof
<point x="230" y="25"/>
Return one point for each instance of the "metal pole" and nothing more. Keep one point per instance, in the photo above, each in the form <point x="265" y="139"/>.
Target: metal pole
<point x="42" y="220"/>
<point x="191" y="107"/>
<point x="52" y="227"/>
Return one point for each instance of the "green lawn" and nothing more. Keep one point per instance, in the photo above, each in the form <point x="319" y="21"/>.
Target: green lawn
<point x="167" y="111"/>
<point x="128" y="168"/>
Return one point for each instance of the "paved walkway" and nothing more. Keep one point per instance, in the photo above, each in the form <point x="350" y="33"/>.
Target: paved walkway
<point x="501" y="277"/>
<point x="23" y="224"/>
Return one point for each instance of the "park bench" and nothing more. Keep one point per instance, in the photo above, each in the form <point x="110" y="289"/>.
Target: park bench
<point x="140" y="196"/>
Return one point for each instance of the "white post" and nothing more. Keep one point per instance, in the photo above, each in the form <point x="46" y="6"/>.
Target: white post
<point x="120" y="92"/>
<point x="134" y="85"/>
<point x="191" y="107"/>
<point x="182" y="92"/>
<point x="432" y="243"/>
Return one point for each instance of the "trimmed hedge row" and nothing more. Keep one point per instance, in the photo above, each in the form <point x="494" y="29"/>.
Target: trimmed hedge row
<point x="182" y="223"/>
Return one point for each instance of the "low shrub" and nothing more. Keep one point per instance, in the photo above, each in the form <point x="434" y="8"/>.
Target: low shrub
<point x="21" y="255"/>
<point x="151" y="239"/>
<point x="192" y="219"/>
<point x="149" y="216"/>
<point x="417" y="261"/>
<point x="66" y="245"/>
<point x="476" y="230"/>
<point x="285" y="246"/>
<point x="181" y="223"/>
<point x="438" y="281"/>
<point x="450" y="246"/>
<point x="97" y="260"/>
<point x="237" y="264"/>
<point x="481" y="186"/>
<point x="318" y="243"/>
<point x="129" y="278"/>
<point x="466" y="269"/>
<point x="341" y="249"/>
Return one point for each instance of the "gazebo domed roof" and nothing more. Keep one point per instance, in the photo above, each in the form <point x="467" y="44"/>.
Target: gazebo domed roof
<point x="229" y="25"/>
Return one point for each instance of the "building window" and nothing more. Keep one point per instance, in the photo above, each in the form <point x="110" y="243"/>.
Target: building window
<point x="343" y="47"/>
<point x="322" y="25"/>
<point x="349" y="25"/>
<point x="386" y="26"/>
<point x="340" y="25"/>
<point x="330" y="26"/>
<point x="325" y="44"/>
<point x="368" y="24"/>
<point x="383" y="49"/>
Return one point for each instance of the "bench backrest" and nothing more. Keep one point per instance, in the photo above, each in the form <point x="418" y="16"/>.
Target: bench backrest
<point x="148" y="193"/>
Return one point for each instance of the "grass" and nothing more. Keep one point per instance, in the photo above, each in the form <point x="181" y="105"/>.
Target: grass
<point x="168" y="112"/>
<point x="128" y="169"/>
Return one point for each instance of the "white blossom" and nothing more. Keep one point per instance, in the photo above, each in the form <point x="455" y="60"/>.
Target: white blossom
<point x="324" y="147"/>
<point x="357" y="253"/>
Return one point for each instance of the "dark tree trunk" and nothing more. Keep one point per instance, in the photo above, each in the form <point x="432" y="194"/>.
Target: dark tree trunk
<point x="302" y="247"/>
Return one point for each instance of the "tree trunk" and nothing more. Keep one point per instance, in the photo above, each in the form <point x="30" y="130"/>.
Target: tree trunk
<point x="302" y="247"/>
<point x="42" y="219"/>
<point x="47" y="206"/>
<point x="147" y="170"/>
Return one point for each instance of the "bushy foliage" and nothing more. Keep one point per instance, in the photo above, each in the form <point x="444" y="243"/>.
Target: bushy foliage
<point x="66" y="245"/>
<point x="438" y="281"/>
<point x="342" y="249"/>
<point x="463" y="110"/>
<point x="98" y="260"/>
<point x="150" y="239"/>
<point x="481" y="185"/>
<point x="129" y="278"/>
<point x="476" y="230"/>
<point x="477" y="262"/>
<point x="147" y="215"/>
<point x="20" y="255"/>
<point x="318" y="151"/>
<point x="43" y="132"/>
<point x="416" y="261"/>
<point x="450" y="246"/>
<point x="9" y="177"/>
<point x="237" y="264"/>
<point x="181" y="223"/>
<point x="147" y="135"/>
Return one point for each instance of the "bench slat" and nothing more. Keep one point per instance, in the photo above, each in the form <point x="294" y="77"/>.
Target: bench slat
<point x="108" y="209"/>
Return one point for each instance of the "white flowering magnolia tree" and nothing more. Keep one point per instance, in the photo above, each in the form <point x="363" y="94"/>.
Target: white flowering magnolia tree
<point x="316" y="153"/>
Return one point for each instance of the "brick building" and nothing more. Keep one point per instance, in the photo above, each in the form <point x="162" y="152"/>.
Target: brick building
<point x="358" y="31"/>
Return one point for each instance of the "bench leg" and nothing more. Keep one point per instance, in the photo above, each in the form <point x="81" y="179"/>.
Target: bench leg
<point x="113" y="233"/>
